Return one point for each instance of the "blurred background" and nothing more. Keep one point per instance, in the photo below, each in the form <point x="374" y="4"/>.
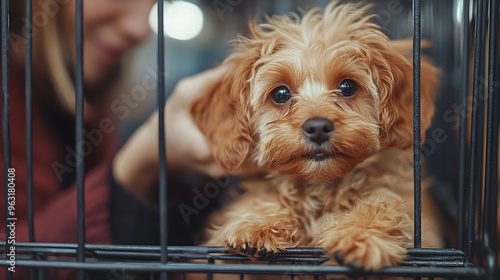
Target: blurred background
<point x="197" y="35"/>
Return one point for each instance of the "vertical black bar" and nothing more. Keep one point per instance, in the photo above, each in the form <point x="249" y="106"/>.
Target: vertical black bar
<point x="29" y="124"/>
<point x="494" y="83"/>
<point x="6" y="114"/>
<point x="481" y="110"/>
<point x="29" y="119"/>
<point x="163" y="165"/>
<point x="474" y="131"/>
<point x="79" y="111"/>
<point x="416" y="121"/>
<point x="462" y="132"/>
<point x="491" y="181"/>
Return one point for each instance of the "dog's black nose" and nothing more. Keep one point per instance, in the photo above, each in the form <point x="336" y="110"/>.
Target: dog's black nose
<point x="318" y="130"/>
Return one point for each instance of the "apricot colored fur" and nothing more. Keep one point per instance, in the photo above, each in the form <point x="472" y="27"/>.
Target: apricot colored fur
<point x="358" y="202"/>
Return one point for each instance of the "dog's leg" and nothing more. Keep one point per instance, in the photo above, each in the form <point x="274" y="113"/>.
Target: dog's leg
<point x="255" y="226"/>
<point x="373" y="234"/>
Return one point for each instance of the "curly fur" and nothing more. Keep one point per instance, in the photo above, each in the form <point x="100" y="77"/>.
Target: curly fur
<point x="359" y="201"/>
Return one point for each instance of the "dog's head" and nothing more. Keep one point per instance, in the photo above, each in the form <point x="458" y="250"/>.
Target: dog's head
<point x="314" y="97"/>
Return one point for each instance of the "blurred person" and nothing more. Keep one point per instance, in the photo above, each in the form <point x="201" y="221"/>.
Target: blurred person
<point x="120" y="183"/>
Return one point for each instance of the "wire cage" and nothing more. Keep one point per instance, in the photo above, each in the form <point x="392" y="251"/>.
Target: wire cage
<point x="471" y="80"/>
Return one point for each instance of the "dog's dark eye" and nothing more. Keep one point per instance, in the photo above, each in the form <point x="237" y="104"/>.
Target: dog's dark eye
<point x="281" y="95"/>
<point x="347" y="88"/>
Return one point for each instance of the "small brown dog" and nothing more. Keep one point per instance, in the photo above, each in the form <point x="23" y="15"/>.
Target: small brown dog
<point x="324" y="101"/>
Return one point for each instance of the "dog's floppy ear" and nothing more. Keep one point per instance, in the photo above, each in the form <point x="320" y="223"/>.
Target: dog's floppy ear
<point x="394" y="77"/>
<point x="224" y="116"/>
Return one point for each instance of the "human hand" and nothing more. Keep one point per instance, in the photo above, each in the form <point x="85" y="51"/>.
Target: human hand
<point x="136" y="164"/>
<point x="187" y="148"/>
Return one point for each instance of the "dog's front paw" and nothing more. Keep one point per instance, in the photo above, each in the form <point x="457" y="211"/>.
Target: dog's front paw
<point x="370" y="236"/>
<point x="366" y="249"/>
<point x="260" y="238"/>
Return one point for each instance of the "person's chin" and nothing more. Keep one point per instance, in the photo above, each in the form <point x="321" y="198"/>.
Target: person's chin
<point x="97" y="73"/>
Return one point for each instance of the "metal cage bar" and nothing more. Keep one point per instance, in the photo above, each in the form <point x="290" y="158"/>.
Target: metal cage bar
<point x="29" y="118"/>
<point x="462" y="132"/>
<point x="79" y="137"/>
<point x="28" y="33"/>
<point x="147" y="258"/>
<point x="160" y="87"/>
<point x="474" y="141"/>
<point x="416" y="6"/>
<point x="481" y="123"/>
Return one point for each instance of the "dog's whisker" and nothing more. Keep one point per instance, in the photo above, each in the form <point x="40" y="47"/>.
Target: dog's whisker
<point x="339" y="106"/>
